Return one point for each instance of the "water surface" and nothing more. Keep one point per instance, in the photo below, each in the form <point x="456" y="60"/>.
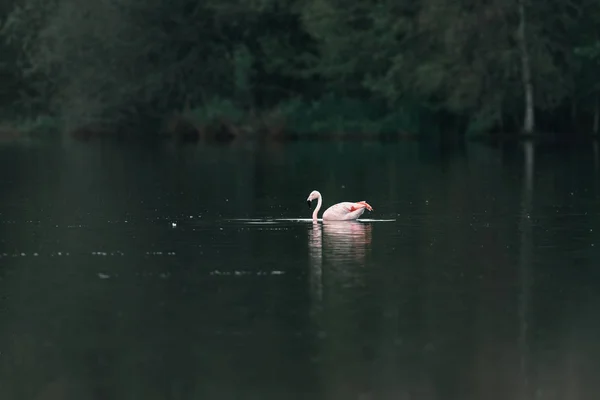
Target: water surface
<point x="157" y="272"/>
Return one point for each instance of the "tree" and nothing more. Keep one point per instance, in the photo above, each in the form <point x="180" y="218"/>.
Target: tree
<point x="586" y="50"/>
<point x="468" y="65"/>
<point x="529" y="122"/>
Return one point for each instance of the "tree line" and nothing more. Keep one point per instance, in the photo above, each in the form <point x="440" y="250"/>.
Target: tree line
<point x="416" y="66"/>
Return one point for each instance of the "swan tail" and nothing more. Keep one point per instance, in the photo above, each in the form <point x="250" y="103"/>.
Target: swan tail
<point x="365" y="205"/>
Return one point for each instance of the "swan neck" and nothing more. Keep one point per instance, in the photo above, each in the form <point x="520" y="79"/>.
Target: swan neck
<point x="319" y="202"/>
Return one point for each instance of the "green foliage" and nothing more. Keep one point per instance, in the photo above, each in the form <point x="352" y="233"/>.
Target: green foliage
<point x="319" y="65"/>
<point x="243" y="66"/>
<point x="590" y="52"/>
<point x="215" y="110"/>
<point x="343" y="115"/>
<point x="40" y="125"/>
<point x="329" y="115"/>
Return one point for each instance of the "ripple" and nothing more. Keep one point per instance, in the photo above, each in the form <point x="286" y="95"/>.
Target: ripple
<point x="241" y="273"/>
<point x="116" y="253"/>
<point x="276" y="220"/>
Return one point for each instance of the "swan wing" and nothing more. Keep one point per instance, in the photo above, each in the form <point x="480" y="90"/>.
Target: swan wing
<point x="344" y="211"/>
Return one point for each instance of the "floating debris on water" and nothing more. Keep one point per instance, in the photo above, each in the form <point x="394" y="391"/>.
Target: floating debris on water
<point x="104" y="253"/>
<point x="240" y="273"/>
<point x="160" y="253"/>
<point x="115" y="253"/>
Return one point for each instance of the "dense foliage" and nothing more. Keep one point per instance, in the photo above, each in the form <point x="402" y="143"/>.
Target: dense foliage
<point x="372" y="65"/>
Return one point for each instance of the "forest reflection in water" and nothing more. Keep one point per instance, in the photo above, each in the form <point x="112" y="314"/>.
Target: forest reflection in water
<point x="475" y="278"/>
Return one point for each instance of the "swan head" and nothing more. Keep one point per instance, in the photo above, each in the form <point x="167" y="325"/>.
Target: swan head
<point x="312" y="196"/>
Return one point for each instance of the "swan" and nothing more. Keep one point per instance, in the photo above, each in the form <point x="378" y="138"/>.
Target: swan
<point x="343" y="211"/>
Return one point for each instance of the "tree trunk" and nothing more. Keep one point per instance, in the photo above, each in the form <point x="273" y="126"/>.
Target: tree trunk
<point x="528" y="123"/>
<point x="596" y="116"/>
<point x="574" y="124"/>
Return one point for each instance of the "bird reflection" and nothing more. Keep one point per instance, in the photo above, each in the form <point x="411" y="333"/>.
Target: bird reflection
<point x="344" y="246"/>
<point x="339" y="241"/>
<point x="338" y="253"/>
<point x="315" y="244"/>
<point x="346" y="240"/>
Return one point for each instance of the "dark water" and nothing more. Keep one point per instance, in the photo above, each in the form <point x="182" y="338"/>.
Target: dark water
<point x="485" y="286"/>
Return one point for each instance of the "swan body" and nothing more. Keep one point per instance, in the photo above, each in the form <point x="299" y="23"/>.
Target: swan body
<point x="344" y="211"/>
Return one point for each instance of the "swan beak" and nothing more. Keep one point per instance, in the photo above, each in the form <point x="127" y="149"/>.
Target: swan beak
<point x="308" y="202"/>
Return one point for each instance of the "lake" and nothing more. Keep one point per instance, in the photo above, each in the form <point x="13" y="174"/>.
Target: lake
<point x="194" y="272"/>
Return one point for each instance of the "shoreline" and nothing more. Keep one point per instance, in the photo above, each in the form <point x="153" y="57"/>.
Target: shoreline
<point x="181" y="129"/>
